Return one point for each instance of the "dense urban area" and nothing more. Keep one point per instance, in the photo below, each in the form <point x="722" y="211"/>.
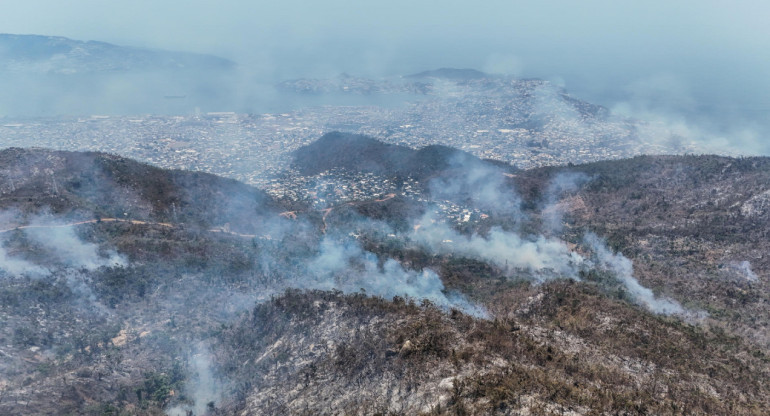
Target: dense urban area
<point x="528" y="123"/>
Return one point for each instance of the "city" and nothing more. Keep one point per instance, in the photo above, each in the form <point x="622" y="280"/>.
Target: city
<point x="525" y="123"/>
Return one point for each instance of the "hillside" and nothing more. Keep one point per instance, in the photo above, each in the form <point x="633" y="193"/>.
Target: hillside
<point x="695" y="226"/>
<point x="128" y="289"/>
<point x="74" y="184"/>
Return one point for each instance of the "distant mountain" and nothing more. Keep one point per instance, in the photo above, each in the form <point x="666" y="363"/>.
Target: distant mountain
<point x="52" y="76"/>
<point x="454" y="74"/>
<point x="34" y="54"/>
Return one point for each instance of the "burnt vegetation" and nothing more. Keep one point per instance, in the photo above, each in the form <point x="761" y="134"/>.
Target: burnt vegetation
<point x="688" y="222"/>
<point x="366" y="353"/>
<point x="206" y="265"/>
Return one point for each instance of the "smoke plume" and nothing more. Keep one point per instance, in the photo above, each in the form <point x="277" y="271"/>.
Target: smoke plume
<point x="482" y="184"/>
<point x="202" y="388"/>
<point x="744" y="269"/>
<point x="345" y="266"/>
<point x="623" y="269"/>
<point x="561" y="184"/>
<point x="14" y="266"/>
<point x="64" y="245"/>
<point x="544" y="257"/>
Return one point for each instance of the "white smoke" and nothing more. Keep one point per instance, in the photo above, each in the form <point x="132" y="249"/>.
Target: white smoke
<point x="67" y="248"/>
<point x="9" y="263"/>
<point x="202" y="387"/>
<point x="553" y="212"/>
<point x="17" y="267"/>
<point x="506" y="64"/>
<point x="59" y="255"/>
<point x="62" y="254"/>
<point x="486" y="188"/>
<point x="482" y="183"/>
<point x="623" y="269"/>
<point x="744" y="269"/>
<point x="345" y="266"/>
<point x="667" y="120"/>
<point x="542" y="256"/>
<point x="545" y="258"/>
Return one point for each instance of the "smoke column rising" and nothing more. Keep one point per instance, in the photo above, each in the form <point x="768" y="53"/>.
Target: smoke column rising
<point x="546" y="257"/>
<point x="202" y="386"/>
<point x="347" y="267"/>
<point x="561" y="184"/>
<point x="624" y="272"/>
<point x="67" y="248"/>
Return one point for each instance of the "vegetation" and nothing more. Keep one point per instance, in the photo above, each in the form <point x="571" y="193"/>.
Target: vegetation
<point x="113" y="340"/>
<point x="558" y="356"/>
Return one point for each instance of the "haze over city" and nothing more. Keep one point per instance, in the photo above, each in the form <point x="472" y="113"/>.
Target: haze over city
<point x="693" y="62"/>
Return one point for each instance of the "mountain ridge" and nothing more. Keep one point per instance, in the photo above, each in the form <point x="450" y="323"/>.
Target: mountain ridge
<point x="64" y="56"/>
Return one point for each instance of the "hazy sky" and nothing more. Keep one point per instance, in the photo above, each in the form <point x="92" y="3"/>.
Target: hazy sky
<point x="683" y="53"/>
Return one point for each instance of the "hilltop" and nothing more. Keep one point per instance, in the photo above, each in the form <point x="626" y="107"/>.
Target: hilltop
<point x="361" y="153"/>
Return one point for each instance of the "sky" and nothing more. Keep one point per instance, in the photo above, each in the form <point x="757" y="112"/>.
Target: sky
<point x="706" y="58"/>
